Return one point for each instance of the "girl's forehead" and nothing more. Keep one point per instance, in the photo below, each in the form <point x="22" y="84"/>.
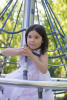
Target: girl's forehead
<point x="33" y="33"/>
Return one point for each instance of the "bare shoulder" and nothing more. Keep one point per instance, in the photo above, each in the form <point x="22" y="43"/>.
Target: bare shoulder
<point x="44" y="55"/>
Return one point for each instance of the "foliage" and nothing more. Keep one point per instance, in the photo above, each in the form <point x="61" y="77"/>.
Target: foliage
<point x="53" y="42"/>
<point x="8" y="40"/>
<point x="60" y="9"/>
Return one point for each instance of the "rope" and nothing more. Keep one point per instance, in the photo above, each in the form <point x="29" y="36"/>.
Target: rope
<point x="9" y="13"/>
<point x="12" y="32"/>
<point x="47" y="12"/>
<point x="5" y="9"/>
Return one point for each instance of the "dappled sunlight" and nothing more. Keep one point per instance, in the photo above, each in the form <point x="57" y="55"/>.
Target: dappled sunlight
<point x="53" y="16"/>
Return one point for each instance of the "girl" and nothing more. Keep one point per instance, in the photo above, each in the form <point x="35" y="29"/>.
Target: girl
<point x="36" y="51"/>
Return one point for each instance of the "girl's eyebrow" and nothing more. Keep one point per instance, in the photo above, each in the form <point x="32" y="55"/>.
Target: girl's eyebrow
<point x="29" y="35"/>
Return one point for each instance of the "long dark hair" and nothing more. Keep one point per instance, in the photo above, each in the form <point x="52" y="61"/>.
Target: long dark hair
<point x="41" y="31"/>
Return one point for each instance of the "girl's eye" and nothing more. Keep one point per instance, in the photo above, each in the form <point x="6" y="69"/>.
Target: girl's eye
<point x="29" y="36"/>
<point x="36" y="37"/>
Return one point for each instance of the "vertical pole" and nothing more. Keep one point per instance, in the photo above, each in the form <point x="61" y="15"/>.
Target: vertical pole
<point x="26" y="24"/>
<point x="32" y="12"/>
<point x="40" y="93"/>
<point x="26" y="19"/>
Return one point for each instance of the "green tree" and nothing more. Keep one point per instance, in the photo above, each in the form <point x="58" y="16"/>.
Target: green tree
<point x="59" y="8"/>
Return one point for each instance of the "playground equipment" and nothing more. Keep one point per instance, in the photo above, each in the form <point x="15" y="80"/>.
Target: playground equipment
<point x="28" y="19"/>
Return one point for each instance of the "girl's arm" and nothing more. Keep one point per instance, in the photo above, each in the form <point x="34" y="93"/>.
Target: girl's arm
<point x="12" y="51"/>
<point x="42" y="64"/>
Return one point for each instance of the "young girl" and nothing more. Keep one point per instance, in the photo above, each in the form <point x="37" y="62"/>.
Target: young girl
<point x="36" y="51"/>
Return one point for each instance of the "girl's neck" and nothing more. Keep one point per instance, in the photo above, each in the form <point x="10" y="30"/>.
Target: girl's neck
<point x="36" y="52"/>
<point x="36" y="49"/>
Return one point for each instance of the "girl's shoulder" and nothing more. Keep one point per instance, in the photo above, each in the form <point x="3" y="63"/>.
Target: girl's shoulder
<point x="45" y="55"/>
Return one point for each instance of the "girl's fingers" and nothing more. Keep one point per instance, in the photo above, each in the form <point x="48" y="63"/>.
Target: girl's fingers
<point x="26" y="51"/>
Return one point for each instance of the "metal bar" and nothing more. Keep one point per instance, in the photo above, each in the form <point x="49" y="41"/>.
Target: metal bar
<point x="59" y="79"/>
<point x="26" y="24"/>
<point x="26" y="19"/>
<point x="26" y="83"/>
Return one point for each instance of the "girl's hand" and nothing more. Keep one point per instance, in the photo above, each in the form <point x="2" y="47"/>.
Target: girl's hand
<point x="26" y="51"/>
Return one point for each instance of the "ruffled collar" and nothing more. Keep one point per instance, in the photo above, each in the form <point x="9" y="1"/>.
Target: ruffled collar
<point x="36" y="52"/>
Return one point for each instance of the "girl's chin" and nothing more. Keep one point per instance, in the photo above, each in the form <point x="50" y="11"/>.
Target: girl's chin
<point x="32" y="48"/>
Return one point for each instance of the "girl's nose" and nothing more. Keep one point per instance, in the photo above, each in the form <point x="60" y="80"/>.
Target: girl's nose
<point x="32" y="39"/>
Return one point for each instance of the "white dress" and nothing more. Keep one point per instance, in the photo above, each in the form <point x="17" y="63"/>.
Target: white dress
<point x="22" y="93"/>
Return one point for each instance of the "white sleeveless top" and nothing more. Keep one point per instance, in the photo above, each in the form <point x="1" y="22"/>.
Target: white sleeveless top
<point x="34" y="74"/>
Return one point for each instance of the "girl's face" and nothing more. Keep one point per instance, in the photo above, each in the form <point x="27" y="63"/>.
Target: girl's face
<point x="34" y="40"/>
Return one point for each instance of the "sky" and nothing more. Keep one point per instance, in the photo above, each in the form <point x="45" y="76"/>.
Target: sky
<point x="54" y="0"/>
<point x="2" y="2"/>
